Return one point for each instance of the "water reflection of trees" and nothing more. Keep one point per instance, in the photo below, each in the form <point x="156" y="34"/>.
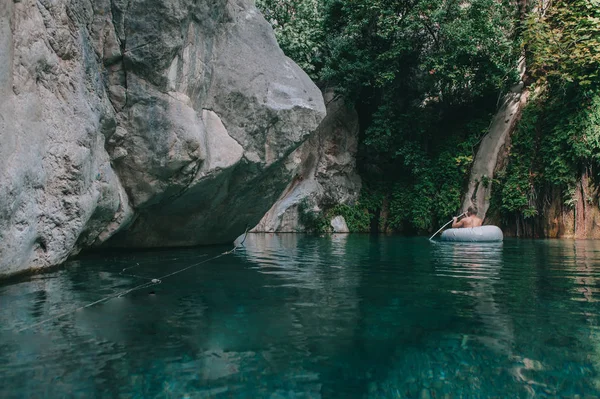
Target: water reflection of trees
<point x="317" y="281"/>
<point x="511" y="316"/>
<point x="587" y="288"/>
<point x="479" y="265"/>
<point x="447" y="320"/>
<point x="242" y="323"/>
<point x="547" y="301"/>
<point x="344" y="316"/>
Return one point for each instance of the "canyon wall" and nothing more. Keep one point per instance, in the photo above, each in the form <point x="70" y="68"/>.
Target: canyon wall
<point x="144" y="123"/>
<point x="579" y="218"/>
<point x="324" y="168"/>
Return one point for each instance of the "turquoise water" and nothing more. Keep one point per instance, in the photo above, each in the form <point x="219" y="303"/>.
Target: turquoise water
<point x="295" y="316"/>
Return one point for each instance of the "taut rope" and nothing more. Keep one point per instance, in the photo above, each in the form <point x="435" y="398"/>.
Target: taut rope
<point x="151" y="283"/>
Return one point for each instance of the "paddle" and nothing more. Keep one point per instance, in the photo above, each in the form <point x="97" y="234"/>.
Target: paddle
<point x="458" y="217"/>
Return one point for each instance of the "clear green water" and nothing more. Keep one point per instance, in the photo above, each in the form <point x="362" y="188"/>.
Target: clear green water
<point x="295" y="316"/>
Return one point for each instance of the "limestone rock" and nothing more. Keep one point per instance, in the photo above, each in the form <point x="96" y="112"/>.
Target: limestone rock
<point x="58" y="192"/>
<point x="338" y="224"/>
<point x="489" y="154"/>
<point x="165" y="121"/>
<point x="324" y="169"/>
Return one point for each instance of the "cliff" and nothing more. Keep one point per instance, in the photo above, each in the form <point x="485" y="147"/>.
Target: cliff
<point x="494" y="146"/>
<point x="577" y="219"/>
<point x="324" y="170"/>
<point x="165" y="121"/>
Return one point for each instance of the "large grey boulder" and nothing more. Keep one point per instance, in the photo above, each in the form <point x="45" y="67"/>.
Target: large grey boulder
<point x="58" y="191"/>
<point x="165" y="121"/>
<point x="338" y="224"/>
<point x="324" y="170"/>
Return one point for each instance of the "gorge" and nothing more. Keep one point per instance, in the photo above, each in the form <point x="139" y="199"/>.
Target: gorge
<point x="163" y="122"/>
<point x="139" y="140"/>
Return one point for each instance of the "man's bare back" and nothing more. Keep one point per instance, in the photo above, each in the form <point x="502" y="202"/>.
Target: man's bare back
<point x="471" y="220"/>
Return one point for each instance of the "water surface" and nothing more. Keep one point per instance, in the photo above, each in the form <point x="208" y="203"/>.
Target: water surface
<point x="294" y="316"/>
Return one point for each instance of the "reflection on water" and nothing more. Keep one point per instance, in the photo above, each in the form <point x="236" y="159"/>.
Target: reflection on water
<point x="294" y="316"/>
<point x="587" y="255"/>
<point x="480" y="264"/>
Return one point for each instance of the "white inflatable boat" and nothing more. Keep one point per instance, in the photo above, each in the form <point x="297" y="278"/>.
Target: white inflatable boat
<point x="473" y="234"/>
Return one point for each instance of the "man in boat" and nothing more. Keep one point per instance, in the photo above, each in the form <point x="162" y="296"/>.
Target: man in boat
<point x="471" y="220"/>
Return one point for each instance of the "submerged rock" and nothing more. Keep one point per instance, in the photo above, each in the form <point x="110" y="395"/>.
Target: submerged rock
<point x="164" y="121"/>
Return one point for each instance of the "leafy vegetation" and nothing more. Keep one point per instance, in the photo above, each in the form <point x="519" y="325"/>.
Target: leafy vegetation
<point x="298" y="26"/>
<point x="557" y="141"/>
<point x="558" y="138"/>
<point x="313" y="219"/>
<point x="426" y="77"/>
<point x="562" y="40"/>
<point x="358" y="218"/>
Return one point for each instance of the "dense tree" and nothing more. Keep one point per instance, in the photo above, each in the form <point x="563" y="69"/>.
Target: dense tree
<point x="563" y="42"/>
<point x="558" y="139"/>
<point x="298" y="26"/>
<point x="426" y="77"/>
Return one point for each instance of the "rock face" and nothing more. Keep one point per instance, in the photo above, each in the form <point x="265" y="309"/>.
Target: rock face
<point x="579" y="220"/>
<point x="493" y="144"/>
<point x="165" y="121"/>
<point x="338" y="224"/>
<point x="324" y="170"/>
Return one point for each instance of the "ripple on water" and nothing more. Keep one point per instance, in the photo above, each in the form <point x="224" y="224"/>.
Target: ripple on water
<point x="294" y="316"/>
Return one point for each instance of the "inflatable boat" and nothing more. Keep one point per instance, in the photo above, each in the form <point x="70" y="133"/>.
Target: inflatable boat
<point x="474" y="234"/>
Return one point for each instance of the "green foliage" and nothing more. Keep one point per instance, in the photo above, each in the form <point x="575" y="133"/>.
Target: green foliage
<point x="448" y="51"/>
<point x="411" y="206"/>
<point x="426" y="77"/>
<point x="518" y="182"/>
<point x="313" y="220"/>
<point x="558" y="138"/>
<point x="426" y="193"/>
<point x="563" y="42"/>
<point x="298" y="26"/>
<point x="433" y="193"/>
<point x="371" y="198"/>
<point x="357" y="217"/>
<point x="574" y="136"/>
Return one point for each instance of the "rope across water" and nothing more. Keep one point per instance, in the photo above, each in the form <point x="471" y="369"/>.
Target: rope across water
<point x="151" y="283"/>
